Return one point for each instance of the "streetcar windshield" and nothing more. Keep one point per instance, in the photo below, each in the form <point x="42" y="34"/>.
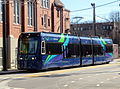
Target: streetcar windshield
<point x="28" y="45"/>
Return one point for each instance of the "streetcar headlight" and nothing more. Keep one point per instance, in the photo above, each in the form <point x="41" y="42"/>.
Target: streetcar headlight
<point x="21" y="58"/>
<point x="33" y="58"/>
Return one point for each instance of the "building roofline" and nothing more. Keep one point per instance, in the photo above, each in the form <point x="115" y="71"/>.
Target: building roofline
<point x="58" y="3"/>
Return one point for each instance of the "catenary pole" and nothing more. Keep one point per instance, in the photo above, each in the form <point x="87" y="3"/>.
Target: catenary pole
<point x="94" y="19"/>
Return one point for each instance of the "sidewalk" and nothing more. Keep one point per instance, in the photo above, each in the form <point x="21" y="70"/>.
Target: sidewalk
<point x="117" y="60"/>
<point x="14" y="70"/>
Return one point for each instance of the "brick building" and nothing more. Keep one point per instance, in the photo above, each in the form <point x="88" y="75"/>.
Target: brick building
<point x="105" y="29"/>
<point x="30" y="16"/>
<point x="86" y="29"/>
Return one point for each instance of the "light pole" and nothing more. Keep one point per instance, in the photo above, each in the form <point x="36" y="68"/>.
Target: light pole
<point x="94" y="19"/>
<point x="4" y="36"/>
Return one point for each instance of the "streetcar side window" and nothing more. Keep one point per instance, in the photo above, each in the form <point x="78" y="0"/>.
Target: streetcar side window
<point x="73" y="50"/>
<point x="86" y="50"/>
<point x="98" y="50"/>
<point x="53" y="48"/>
<point x="43" y="51"/>
<point x="109" y="49"/>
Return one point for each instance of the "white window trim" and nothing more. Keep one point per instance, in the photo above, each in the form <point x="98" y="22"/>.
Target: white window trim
<point x="17" y="15"/>
<point x="45" y="3"/>
<point x="30" y="18"/>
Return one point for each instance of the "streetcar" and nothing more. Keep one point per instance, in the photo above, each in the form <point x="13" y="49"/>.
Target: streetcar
<point x="44" y="50"/>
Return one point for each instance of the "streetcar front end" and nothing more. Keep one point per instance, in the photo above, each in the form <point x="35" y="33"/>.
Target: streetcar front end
<point x="28" y="53"/>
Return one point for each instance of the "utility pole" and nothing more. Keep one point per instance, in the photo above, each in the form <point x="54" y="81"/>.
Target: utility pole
<point x="94" y="19"/>
<point x="4" y="36"/>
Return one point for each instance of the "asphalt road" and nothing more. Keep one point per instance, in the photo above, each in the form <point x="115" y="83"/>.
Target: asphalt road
<point x="105" y="76"/>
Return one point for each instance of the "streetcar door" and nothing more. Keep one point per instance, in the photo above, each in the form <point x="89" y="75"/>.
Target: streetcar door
<point x="71" y="55"/>
<point x="86" y="51"/>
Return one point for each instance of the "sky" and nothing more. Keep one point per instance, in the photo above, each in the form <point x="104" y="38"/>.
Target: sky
<point x="102" y="12"/>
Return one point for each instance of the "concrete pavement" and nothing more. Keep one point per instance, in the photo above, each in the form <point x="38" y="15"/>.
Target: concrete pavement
<point x="12" y="70"/>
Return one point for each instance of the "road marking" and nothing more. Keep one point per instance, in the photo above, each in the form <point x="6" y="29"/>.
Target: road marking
<point x="65" y="85"/>
<point x="98" y="85"/>
<point x="96" y="74"/>
<point x="101" y="82"/>
<point x="72" y="81"/>
<point x="80" y="78"/>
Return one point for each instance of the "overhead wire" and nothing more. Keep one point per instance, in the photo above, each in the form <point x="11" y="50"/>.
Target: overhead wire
<point x="96" y="6"/>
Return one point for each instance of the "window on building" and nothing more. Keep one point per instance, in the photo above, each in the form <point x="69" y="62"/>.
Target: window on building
<point x="42" y="21"/>
<point x="103" y="27"/>
<point x="42" y="3"/>
<point x="75" y="28"/>
<point x="81" y="28"/>
<point x="30" y="13"/>
<point x="58" y="13"/>
<point x="45" y="3"/>
<point x="111" y="27"/>
<point x="48" y="22"/>
<point x="45" y="20"/>
<point x="16" y="11"/>
<point x="1" y="10"/>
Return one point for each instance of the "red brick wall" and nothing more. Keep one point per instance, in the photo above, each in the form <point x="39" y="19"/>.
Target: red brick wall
<point x="66" y="20"/>
<point x="16" y="29"/>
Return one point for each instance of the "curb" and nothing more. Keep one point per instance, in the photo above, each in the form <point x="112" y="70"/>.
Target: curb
<point x="9" y="71"/>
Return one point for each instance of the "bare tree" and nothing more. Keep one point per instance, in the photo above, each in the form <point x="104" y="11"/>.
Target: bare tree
<point x="114" y="16"/>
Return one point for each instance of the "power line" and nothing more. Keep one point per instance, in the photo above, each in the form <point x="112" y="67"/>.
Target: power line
<point x="108" y="3"/>
<point x="96" y="6"/>
<point x="103" y="18"/>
